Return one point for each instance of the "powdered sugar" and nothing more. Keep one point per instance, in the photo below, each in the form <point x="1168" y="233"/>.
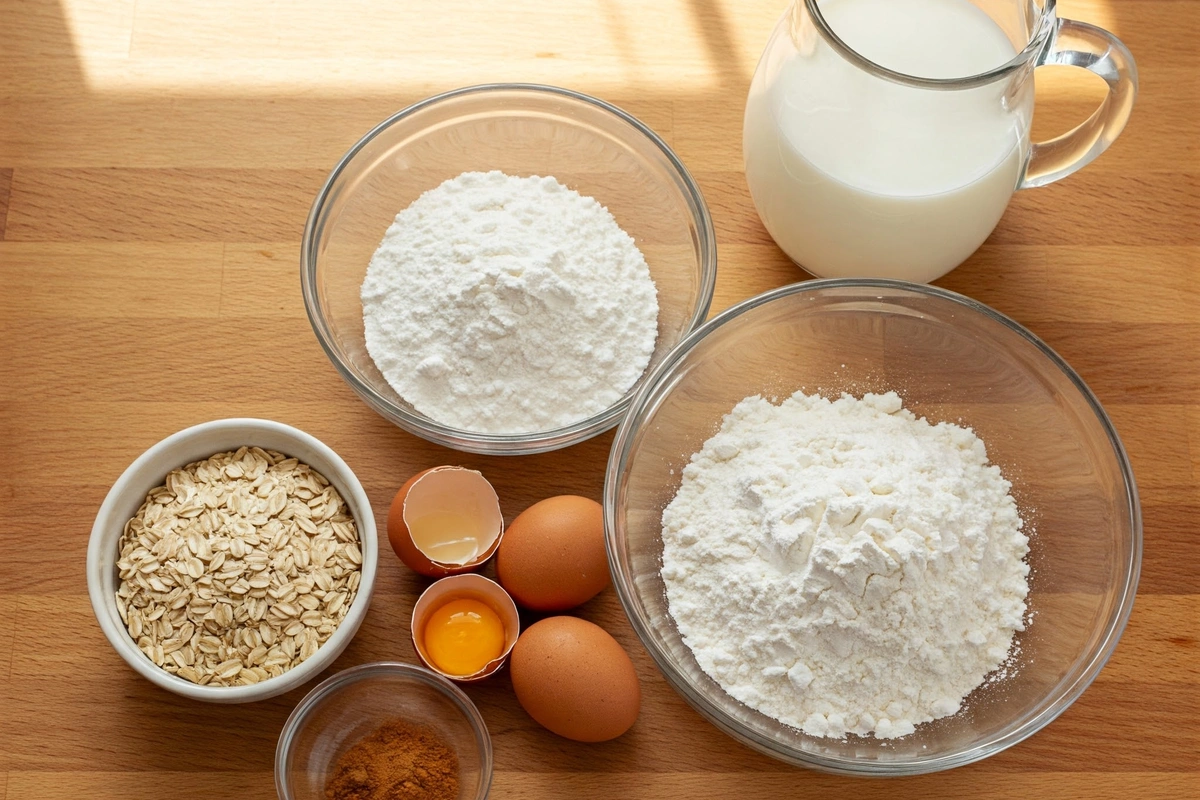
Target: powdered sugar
<point x="844" y="567"/>
<point x="502" y="304"/>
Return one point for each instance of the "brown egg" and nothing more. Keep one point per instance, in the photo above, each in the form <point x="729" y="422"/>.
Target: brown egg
<point x="444" y="521"/>
<point x="575" y="680"/>
<point x="552" y="557"/>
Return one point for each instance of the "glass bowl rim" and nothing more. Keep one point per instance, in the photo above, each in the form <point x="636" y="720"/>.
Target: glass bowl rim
<point x="490" y="443"/>
<point x="1060" y="697"/>
<point x="361" y="672"/>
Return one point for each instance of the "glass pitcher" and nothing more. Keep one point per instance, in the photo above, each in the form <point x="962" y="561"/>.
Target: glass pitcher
<point x="884" y="138"/>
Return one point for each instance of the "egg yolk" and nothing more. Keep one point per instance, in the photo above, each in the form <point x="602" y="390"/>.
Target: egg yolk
<point x="462" y="636"/>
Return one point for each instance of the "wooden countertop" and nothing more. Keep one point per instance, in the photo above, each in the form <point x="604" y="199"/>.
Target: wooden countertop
<point x="157" y="162"/>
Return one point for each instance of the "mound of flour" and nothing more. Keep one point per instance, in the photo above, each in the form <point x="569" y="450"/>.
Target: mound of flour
<point x="501" y="304"/>
<point x="844" y="567"/>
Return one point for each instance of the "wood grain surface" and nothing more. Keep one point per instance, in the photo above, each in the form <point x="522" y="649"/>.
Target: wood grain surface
<point x="157" y="162"/>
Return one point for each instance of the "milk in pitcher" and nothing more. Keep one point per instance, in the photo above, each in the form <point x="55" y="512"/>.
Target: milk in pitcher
<point x="855" y="175"/>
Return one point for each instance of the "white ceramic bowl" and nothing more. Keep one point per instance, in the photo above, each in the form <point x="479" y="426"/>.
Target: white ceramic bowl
<point x="149" y="470"/>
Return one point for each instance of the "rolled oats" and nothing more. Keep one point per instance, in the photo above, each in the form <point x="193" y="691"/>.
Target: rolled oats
<point x="237" y="568"/>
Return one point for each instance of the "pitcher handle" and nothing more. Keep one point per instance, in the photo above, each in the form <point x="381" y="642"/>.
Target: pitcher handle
<point x="1077" y="44"/>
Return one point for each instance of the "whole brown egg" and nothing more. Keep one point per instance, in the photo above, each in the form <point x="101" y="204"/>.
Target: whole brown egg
<point x="552" y="557"/>
<point x="575" y="680"/>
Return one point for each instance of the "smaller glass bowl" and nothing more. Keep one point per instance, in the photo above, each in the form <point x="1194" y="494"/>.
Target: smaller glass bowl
<point x="355" y="702"/>
<point x="520" y="129"/>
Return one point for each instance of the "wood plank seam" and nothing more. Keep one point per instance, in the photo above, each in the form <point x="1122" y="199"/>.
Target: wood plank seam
<point x="5" y="191"/>
<point x="12" y="644"/>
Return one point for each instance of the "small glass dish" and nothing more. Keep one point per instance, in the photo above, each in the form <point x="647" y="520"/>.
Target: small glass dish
<point x="352" y="704"/>
<point x="590" y="146"/>
<point x="950" y="359"/>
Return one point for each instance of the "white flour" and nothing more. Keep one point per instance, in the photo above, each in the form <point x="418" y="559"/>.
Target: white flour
<point x="500" y="304"/>
<point x="844" y="567"/>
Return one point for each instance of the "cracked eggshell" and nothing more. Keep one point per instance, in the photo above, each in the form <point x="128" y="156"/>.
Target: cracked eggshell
<point x="474" y="587"/>
<point x="443" y="488"/>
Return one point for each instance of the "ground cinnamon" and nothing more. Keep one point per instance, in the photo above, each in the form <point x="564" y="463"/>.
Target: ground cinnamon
<point x="398" y="761"/>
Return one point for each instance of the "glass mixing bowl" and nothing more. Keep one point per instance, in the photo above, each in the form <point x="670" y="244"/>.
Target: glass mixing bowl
<point x="951" y="359"/>
<point x="353" y="703"/>
<point x="594" y="148"/>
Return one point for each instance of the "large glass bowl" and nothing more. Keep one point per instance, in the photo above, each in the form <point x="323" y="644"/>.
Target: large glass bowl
<point x="352" y="704"/>
<point x="951" y="359"/>
<point x="590" y="146"/>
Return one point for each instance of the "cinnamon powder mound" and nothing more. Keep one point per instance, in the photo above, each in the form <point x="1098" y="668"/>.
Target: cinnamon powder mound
<point x="398" y="761"/>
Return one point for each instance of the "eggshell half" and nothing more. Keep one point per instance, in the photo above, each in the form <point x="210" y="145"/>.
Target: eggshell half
<point x="443" y="488"/>
<point x="474" y="587"/>
<point x="575" y="680"/>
